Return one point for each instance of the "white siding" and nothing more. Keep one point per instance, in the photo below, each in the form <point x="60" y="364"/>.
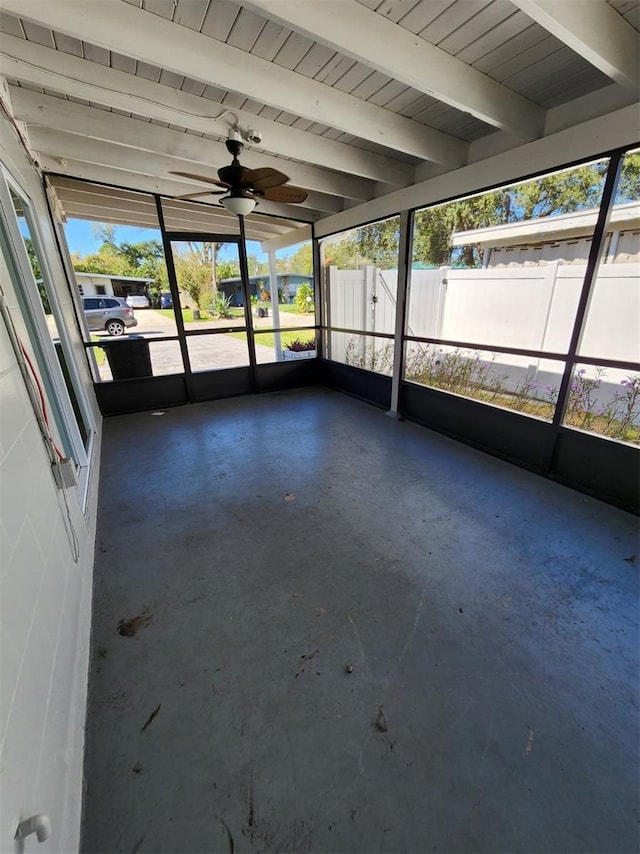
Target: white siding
<point x="45" y="598"/>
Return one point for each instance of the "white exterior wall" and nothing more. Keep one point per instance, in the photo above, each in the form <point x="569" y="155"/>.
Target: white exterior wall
<point x="90" y="284"/>
<point x="45" y="598"/>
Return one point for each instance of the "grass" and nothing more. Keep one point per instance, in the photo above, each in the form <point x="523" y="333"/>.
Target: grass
<point x="187" y="313"/>
<point x="98" y="352"/>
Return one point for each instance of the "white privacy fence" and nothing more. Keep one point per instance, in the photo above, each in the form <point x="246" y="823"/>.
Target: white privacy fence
<point x="529" y="308"/>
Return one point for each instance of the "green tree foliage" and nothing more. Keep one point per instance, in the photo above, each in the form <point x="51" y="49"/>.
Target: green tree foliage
<point x="301" y="261"/>
<point x="304" y="299"/>
<point x="144" y="260"/>
<point x="196" y="270"/>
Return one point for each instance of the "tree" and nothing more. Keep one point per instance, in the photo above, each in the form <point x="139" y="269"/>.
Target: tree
<point x="302" y="260"/>
<point x="196" y="270"/>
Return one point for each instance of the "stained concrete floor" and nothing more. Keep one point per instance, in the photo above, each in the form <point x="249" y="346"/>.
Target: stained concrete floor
<point x="250" y="550"/>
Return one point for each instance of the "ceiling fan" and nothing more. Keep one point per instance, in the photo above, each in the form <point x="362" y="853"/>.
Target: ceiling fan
<point x="244" y="187"/>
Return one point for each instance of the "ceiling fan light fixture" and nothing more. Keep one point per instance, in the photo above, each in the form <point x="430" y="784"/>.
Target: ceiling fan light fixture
<point x="238" y="205"/>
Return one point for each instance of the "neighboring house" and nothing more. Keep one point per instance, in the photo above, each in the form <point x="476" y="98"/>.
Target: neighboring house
<point x="288" y="284"/>
<point x="99" y="284"/>
<point x="565" y="237"/>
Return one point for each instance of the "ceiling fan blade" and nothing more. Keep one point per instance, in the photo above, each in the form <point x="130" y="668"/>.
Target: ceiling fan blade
<point x="201" y="178"/>
<point x="263" y="179"/>
<point x="205" y="193"/>
<point x="293" y="195"/>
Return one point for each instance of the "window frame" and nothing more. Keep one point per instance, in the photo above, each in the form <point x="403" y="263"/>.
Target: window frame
<point x="29" y="305"/>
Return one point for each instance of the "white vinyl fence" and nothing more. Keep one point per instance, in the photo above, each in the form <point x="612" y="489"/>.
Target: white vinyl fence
<point x="520" y="307"/>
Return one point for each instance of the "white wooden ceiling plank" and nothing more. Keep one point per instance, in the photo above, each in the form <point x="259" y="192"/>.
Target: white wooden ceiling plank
<point x="568" y="86"/>
<point x="371" y="85"/>
<point x="148" y="72"/>
<point x="335" y="70"/>
<point x="476" y="25"/>
<point x="462" y="123"/>
<point x="315" y="60"/>
<point x="40" y="35"/>
<point x="595" y="31"/>
<point x="302" y="124"/>
<point x="318" y="128"/>
<point x="527" y="57"/>
<point x="395" y="10"/>
<point x="118" y="112"/>
<point x="370" y="4"/>
<point x="286" y="118"/>
<point x="163" y="8"/>
<point x="270" y="40"/>
<point x="233" y="101"/>
<point x="386" y="48"/>
<point x="269" y="113"/>
<point x="293" y="50"/>
<point x="94" y="53"/>
<point x="118" y="25"/>
<point x="251" y="106"/>
<point x="33" y="88"/>
<point x="403" y="100"/>
<point x="219" y="19"/>
<point x="423" y="13"/>
<point x="68" y="44"/>
<point x="387" y="93"/>
<point x="213" y="93"/>
<point x="492" y="40"/>
<point x="246" y="29"/>
<point x="555" y="63"/>
<point x="354" y="77"/>
<point x="169" y="78"/>
<point x="82" y="101"/>
<point x="11" y="25"/>
<point x="137" y="3"/>
<point x="193" y="87"/>
<point x="633" y="16"/>
<point x="190" y="13"/>
<point x="332" y="133"/>
<point x="448" y="21"/>
<point x="121" y="63"/>
<point x="573" y="78"/>
<point x="418" y="105"/>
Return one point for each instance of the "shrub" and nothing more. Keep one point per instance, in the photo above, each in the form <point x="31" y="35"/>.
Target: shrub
<point x="304" y="299"/>
<point x="299" y="346"/>
<point x="220" y="307"/>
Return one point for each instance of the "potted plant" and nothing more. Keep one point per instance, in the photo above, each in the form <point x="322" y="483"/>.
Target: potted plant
<point x="299" y="350"/>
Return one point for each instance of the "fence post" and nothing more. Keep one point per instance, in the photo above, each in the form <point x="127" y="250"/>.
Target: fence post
<point x="330" y="296"/>
<point x="442" y="300"/>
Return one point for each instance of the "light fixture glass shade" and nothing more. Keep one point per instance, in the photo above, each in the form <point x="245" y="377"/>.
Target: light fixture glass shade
<point x="238" y="205"/>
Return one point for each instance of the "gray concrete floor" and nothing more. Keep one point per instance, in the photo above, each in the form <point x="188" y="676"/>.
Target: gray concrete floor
<point x="250" y="550"/>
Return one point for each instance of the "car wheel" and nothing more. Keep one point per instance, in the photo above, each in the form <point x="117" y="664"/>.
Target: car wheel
<point x="115" y="327"/>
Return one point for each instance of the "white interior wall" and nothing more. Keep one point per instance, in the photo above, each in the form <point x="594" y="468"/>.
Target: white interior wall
<point x="45" y="597"/>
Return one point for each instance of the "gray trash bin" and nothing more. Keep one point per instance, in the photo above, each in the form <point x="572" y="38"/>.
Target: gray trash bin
<point x="128" y="357"/>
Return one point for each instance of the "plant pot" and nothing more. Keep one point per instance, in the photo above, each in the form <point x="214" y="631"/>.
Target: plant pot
<point x="291" y="355"/>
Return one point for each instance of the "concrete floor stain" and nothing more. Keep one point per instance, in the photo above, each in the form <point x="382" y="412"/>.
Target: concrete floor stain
<point x="130" y="628"/>
<point x="151" y="717"/>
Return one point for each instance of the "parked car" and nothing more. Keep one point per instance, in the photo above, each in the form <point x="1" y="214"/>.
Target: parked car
<point x="109" y="313"/>
<point x="137" y="301"/>
<point x="166" y="301"/>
